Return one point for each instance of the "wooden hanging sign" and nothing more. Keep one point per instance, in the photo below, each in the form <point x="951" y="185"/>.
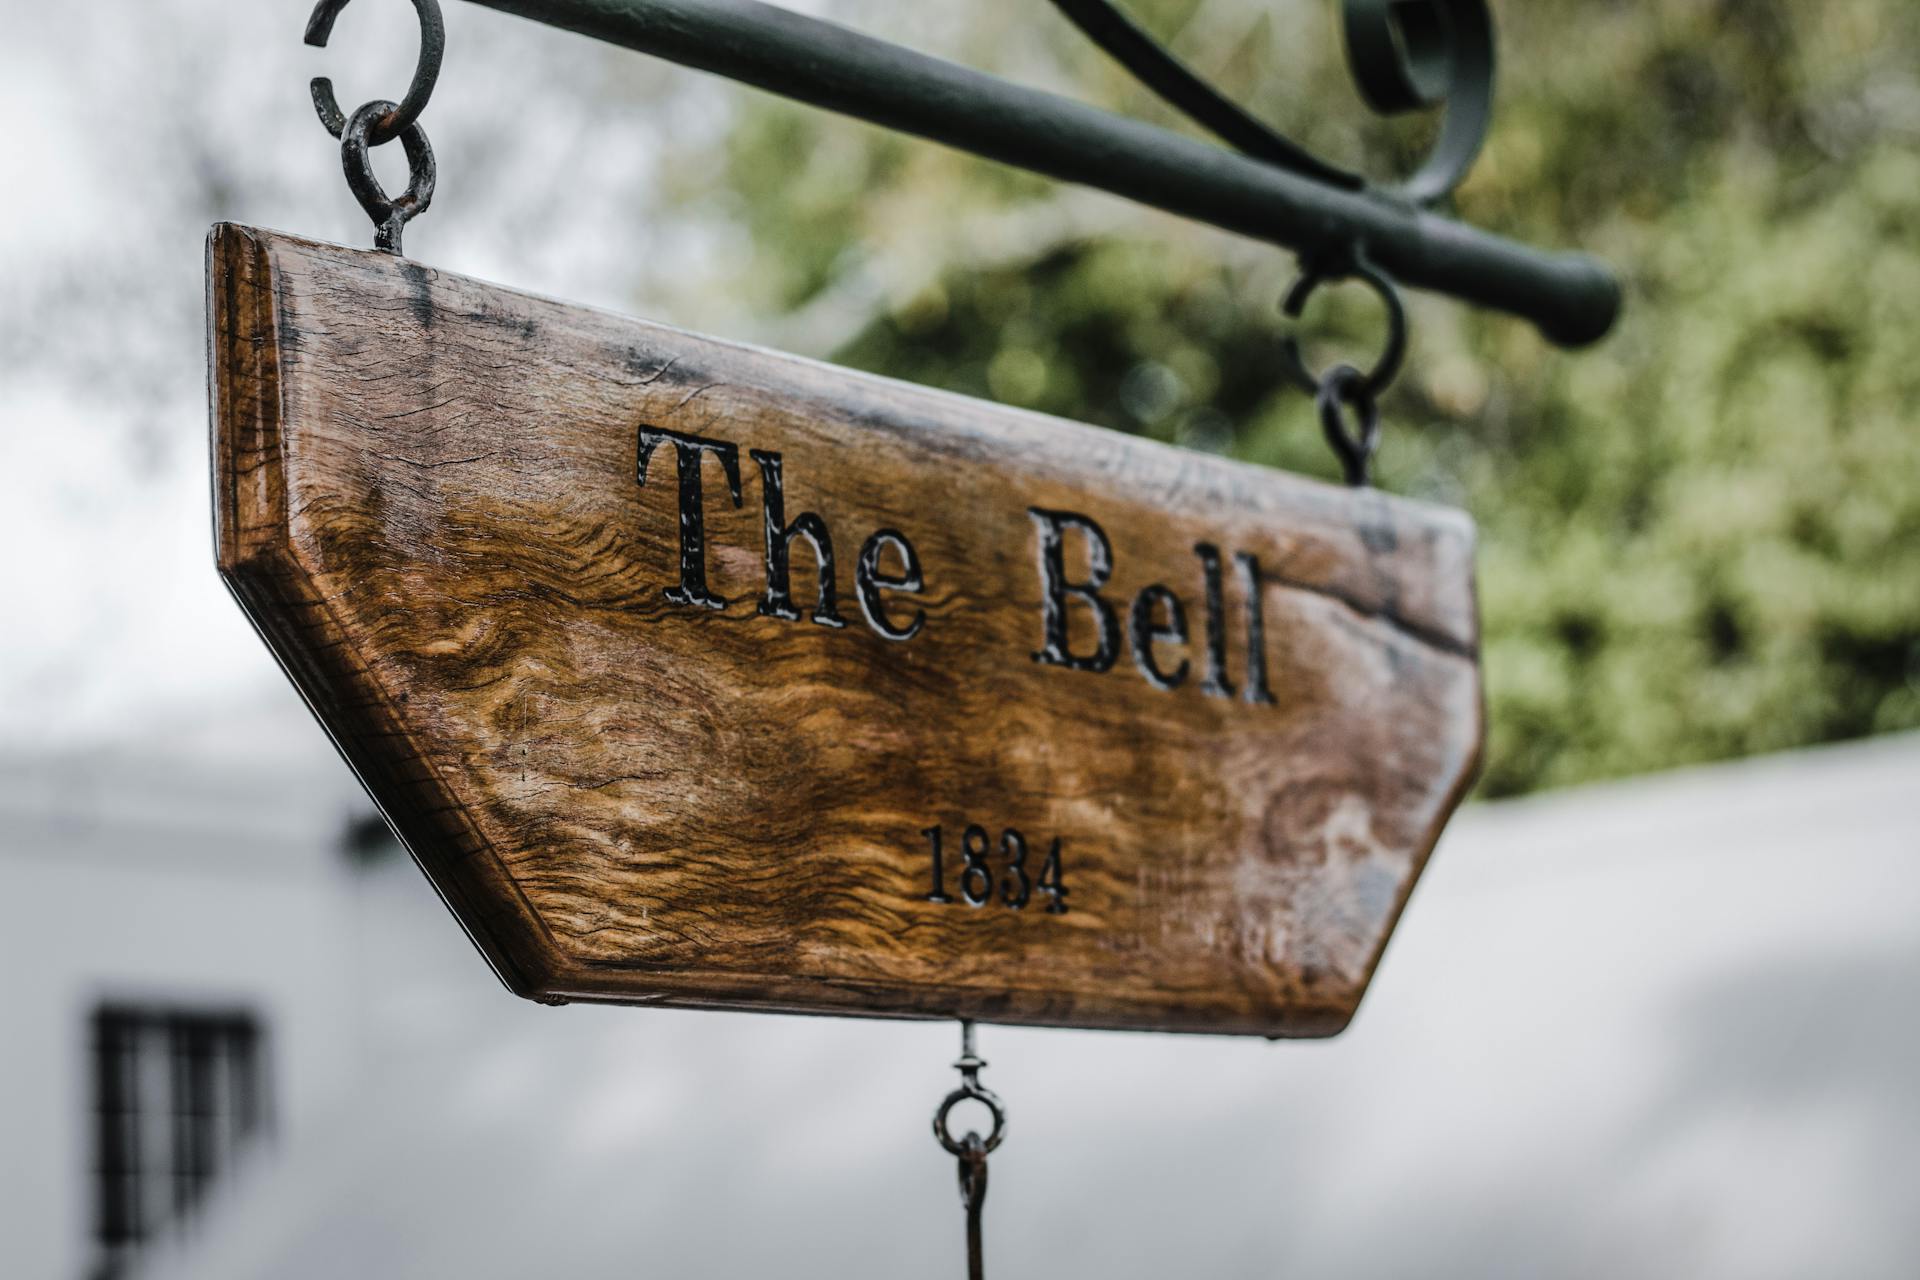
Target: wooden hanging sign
<point x="699" y="675"/>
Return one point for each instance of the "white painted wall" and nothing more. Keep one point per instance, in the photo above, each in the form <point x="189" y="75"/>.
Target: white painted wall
<point x="174" y="875"/>
<point x="1656" y="1028"/>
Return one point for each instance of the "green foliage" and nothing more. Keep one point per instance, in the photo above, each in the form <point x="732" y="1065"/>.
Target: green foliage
<point x="1700" y="539"/>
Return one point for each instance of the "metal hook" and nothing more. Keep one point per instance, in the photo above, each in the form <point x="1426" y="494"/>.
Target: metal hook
<point x="426" y="73"/>
<point x="1356" y="266"/>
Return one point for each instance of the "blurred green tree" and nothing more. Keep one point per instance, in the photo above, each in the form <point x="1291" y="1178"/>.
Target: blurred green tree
<point x="1700" y="540"/>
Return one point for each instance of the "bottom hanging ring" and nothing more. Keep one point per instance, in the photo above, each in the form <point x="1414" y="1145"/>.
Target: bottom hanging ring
<point x="390" y="216"/>
<point x="1343" y="388"/>
<point x="986" y="1097"/>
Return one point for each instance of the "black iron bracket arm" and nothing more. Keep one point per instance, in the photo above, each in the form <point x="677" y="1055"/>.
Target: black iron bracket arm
<point x="1326" y="217"/>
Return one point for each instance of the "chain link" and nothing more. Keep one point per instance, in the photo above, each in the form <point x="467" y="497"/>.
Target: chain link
<point x="381" y="121"/>
<point x="1345" y="389"/>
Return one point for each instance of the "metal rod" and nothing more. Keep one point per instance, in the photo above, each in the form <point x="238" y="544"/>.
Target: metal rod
<point x="1570" y="297"/>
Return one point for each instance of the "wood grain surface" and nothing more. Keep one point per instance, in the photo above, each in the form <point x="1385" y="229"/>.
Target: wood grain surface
<point x="462" y="519"/>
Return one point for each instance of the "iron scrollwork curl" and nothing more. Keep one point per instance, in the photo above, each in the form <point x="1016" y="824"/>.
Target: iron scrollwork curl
<point x="1405" y="55"/>
<point x="1410" y="55"/>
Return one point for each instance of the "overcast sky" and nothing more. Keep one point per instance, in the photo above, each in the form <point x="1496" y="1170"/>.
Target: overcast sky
<point x="147" y="120"/>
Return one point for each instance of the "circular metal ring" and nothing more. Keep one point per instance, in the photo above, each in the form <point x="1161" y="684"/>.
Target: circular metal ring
<point x="1346" y="387"/>
<point x="390" y="216"/>
<point x="1387" y="366"/>
<point x="986" y="1097"/>
<point x="426" y="73"/>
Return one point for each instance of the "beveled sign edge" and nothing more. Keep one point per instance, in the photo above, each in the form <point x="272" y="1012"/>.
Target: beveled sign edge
<point x="259" y="570"/>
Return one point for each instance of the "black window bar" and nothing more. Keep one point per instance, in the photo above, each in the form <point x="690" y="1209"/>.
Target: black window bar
<point x="1405" y="54"/>
<point x="177" y="1095"/>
